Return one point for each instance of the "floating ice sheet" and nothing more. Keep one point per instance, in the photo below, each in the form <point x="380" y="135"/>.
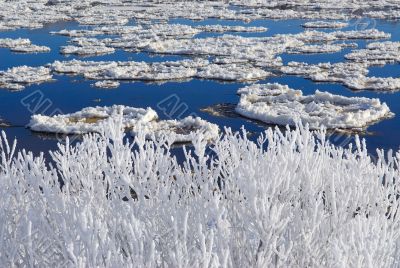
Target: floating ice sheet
<point x="107" y="84"/>
<point x="17" y="77"/>
<point x="377" y="53"/>
<point x="159" y="71"/>
<point x="279" y="104"/>
<point x="35" y="14"/>
<point x="92" y="119"/>
<point x="22" y="45"/>
<point x="180" y="131"/>
<point x="325" y="24"/>
<point x="351" y="74"/>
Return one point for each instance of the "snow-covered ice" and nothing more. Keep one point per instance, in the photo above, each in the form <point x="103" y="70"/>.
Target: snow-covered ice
<point x="94" y="119"/>
<point x="325" y="24"/>
<point x="352" y="74"/>
<point x="279" y="104"/>
<point x="180" y="131"/>
<point x="377" y="53"/>
<point x="22" y="45"/>
<point x="90" y="119"/>
<point x="17" y="77"/>
<point x="107" y="84"/>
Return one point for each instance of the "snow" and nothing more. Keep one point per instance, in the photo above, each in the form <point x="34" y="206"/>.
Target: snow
<point x="132" y="202"/>
<point x="17" y="77"/>
<point x="137" y="120"/>
<point x="281" y="105"/>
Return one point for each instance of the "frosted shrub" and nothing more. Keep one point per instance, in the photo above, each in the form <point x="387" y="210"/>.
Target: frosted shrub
<point x="289" y="200"/>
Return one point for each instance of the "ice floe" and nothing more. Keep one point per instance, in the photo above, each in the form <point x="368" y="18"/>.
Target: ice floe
<point x="351" y="74"/>
<point x="325" y="24"/>
<point x="17" y="77"/>
<point x="22" y="45"/>
<point x="159" y="71"/>
<point x="107" y="84"/>
<point x="226" y="28"/>
<point x="35" y="14"/>
<point x="279" y="104"/>
<point x="377" y="53"/>
<point x="92" y="119"/>
<point x="180" y="131"/>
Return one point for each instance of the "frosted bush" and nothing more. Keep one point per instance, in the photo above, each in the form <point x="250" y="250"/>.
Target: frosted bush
<point x="289" y="200"/>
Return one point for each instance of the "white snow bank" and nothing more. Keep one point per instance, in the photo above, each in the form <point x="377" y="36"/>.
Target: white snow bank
<point x="278" y="104"/>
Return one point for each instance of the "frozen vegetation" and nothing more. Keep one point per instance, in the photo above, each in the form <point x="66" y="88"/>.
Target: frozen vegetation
<point x="296" y="202"/>
<point x="281" y="105"/>
<point x="136" y="120"/>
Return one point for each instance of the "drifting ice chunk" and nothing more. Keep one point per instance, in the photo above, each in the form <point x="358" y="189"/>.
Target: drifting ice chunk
<point x="279" y="104"/>
<point x="325" y="24"/>
<point x="351" y="74"/>
<point x="224" y="28"/>
<point x="15" y="78"/>
<point x="232" y="72"/>
<point x="22" y="45"/>
<point x="87" y="50"/>
<point x="180" y="131"/>
<point x="378" y="53"/>
<point x="90" y="119"/>
<point x="107" y="84"/>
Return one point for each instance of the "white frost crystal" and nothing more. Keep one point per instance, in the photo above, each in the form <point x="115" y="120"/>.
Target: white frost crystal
<point x="15" y="78"/>
<point x="93" y="119"/>
<point x="279" y="104"/>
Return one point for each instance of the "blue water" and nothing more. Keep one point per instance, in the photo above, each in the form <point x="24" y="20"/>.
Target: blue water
<point x="72" y="93"/>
